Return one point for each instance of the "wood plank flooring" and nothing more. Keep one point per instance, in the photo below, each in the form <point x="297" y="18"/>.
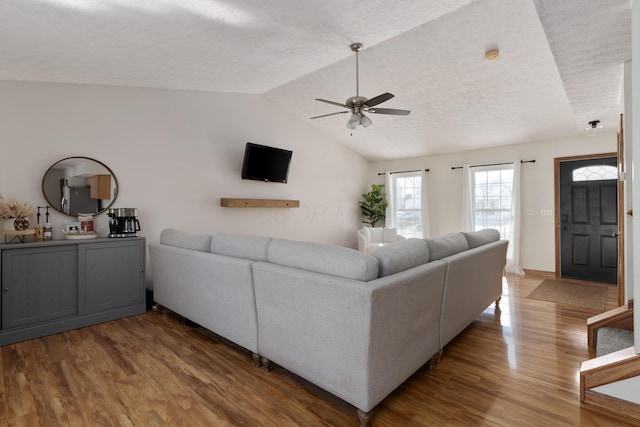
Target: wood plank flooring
<point x="515" y="366"/>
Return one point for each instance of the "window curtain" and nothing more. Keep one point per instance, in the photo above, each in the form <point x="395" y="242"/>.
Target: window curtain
<point x="466" y="215"/>
<point x="513" y="251"/>
<point x="389" y="220"/>
<point x="424" y="205"/>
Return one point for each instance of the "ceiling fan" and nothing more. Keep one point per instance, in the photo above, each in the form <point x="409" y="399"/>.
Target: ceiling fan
<point x="358" y="105"/>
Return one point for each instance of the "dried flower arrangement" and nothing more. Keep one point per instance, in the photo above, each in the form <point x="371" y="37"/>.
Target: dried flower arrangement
<point x="13" y="209"/>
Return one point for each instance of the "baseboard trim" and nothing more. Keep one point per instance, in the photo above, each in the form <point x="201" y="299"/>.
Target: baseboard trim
<point x="551" y="274"/>
<point x="613" y="404"/>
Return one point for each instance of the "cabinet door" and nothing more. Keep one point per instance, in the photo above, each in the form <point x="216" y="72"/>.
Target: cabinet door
<point x="100" y="186"/>
<point x="39" y="285"/>
<point x="113" y="274"/>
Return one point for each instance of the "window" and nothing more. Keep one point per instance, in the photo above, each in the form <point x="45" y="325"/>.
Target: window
<point x="492" y="198"/>
<point x="595" y="173"/>
<point x="406" y="206"/>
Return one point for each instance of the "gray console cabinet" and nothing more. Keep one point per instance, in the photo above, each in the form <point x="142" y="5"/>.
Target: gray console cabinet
<point x="51" y="287"/>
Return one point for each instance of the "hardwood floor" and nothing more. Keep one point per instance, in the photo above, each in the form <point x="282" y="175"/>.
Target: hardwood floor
<point x="515" y="366"/>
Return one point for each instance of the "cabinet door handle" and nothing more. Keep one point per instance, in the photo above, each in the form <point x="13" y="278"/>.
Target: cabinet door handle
<point x="6" y="289"/>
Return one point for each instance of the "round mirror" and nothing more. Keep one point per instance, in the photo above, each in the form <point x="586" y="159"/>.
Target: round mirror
<point x="79" y="185"/>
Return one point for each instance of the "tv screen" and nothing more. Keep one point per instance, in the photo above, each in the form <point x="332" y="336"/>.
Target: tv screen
<point x="262" y="163"/>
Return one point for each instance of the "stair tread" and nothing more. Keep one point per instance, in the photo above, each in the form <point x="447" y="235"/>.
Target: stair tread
<point x="613" y="339"/>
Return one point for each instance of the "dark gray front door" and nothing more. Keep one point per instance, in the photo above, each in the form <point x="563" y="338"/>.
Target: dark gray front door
<point x="589" y="220"/>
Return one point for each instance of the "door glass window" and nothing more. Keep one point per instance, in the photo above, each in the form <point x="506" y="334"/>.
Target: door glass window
<point x="595" y="173"/>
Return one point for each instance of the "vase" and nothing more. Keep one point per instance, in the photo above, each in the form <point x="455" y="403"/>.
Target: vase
<point x="21" y="224"/>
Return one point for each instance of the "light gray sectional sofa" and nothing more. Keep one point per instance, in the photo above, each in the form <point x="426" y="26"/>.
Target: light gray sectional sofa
<point x="356" y="325"/>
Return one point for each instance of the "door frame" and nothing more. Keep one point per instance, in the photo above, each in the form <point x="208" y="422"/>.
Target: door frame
<point x="621" y="213"/>
<point x="556" y="207"/>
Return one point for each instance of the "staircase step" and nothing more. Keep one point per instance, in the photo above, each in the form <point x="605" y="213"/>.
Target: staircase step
<point x="613" y="339"/>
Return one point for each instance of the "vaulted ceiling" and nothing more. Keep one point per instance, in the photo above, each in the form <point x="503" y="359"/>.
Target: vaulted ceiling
<point x="560" y="64"/>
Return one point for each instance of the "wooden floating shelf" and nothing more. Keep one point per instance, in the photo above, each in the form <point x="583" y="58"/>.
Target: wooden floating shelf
<point x="258" y="203"/>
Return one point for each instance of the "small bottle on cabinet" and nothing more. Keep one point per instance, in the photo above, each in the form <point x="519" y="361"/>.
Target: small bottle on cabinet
<point x="48" y="230"/>
<point x="38" y="229"/>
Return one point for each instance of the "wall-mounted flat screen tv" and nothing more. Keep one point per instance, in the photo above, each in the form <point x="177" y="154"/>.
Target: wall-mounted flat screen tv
<point x="262" y="163"/>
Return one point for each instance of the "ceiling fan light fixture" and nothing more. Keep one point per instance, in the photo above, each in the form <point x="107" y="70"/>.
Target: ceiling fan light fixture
<point x="365" y="121"/>
<point x="594" y="128"/>
<point x="354" y="121"/>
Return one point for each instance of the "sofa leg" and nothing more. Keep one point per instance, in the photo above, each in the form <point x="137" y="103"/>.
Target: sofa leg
<point x="256" y="360"/>
<point x="266" y="364"/>
<point x="190" y="323"/>
<point x="498" y="301"/>
<point x="364" y="417"/>
<point x="434" y="360"/>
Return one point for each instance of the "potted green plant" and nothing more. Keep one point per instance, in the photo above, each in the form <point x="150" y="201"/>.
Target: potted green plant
<point x="374" y="205"/>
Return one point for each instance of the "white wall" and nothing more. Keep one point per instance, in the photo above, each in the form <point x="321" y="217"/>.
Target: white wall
<point x="176" y="153"/>
<point x="635" y="141"/>
<point x="537" y="182"/>
<point x="628" y="189"/>
<point x="628" y="389"/>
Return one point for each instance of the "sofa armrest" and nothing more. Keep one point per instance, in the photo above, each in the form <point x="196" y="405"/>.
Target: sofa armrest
<point x="212" y="290"/>
<point x="357" y="340"/>
<point x="474" y="281"/>
<point x="362" y="241"/>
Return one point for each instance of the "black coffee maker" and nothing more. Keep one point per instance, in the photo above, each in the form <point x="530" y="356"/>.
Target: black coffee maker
<point x="123" y="222"/>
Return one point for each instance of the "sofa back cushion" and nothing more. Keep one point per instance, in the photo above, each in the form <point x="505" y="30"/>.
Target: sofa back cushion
<point x="401" y="255"/>
<point x="449" y="244"/>
<point x="482" y="237"/>
<point x="390" y="235"/>
<point x="180" y="239"/>
<point x="240" y="246"/>
<point x="376" y="234"/>
<point x="326" y="259"/>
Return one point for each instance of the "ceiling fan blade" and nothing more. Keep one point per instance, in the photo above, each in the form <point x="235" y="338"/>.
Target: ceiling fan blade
<point x="392" y="111"/>
<point x="331" y="102"/>
<point x="379" y="99"/>
<point x="330" y="114"/>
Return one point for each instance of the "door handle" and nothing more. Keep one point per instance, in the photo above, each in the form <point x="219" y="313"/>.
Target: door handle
<point x="564" y="228"/>
<point x="615" y="234"/>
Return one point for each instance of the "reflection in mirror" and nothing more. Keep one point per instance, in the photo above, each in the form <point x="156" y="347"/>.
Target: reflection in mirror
<point x="79" y="185"/>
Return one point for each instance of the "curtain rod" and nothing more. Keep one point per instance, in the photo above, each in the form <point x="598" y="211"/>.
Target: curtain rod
<point x="417" y="170"/>
<point x="493" y="164"/>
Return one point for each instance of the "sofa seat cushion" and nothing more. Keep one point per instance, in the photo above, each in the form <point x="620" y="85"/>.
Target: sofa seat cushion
<point x="481" y="237"/>
<point x="240" y="246"/>
<point x="448" y="244"/>
<point x="401" y="255"/>
<point x="326" y="259"/>
<point x="180" y="239"/>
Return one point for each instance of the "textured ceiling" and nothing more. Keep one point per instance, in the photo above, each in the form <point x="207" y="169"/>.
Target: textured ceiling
<point x="560" y="62"/>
